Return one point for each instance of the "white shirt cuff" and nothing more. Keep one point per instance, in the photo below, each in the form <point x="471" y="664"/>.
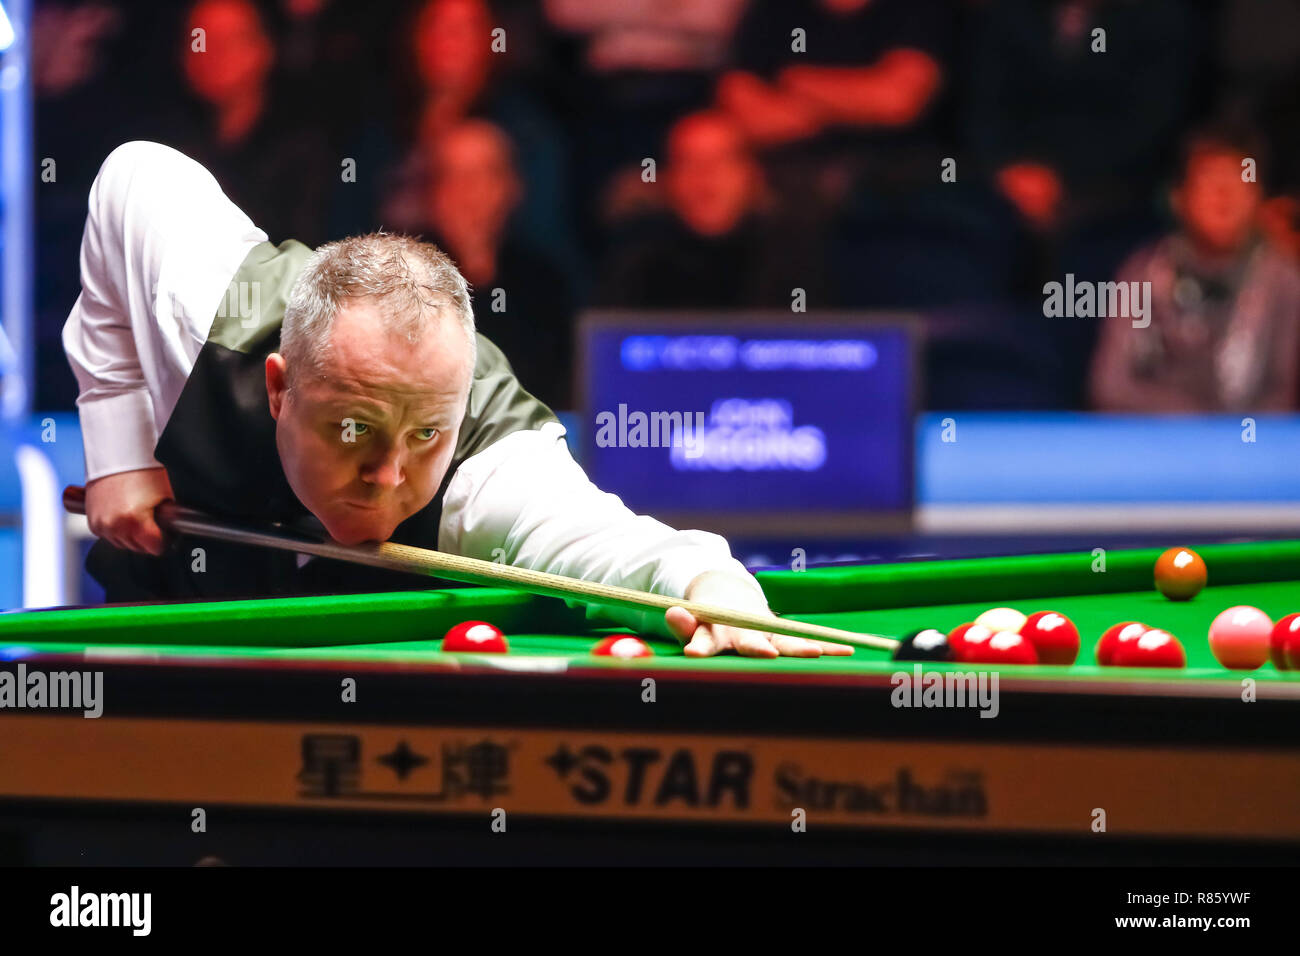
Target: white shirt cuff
<point x="118" y="433"/>
<point x="694" y="553"/>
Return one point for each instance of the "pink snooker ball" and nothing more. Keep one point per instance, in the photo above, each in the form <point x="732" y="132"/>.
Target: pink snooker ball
<point x="1240" y="637"/>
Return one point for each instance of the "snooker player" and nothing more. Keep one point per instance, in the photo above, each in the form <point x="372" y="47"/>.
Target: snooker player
<point x="341" y="390"/>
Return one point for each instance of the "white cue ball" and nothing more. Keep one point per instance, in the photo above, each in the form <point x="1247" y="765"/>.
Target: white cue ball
<point x="1002" y="619"/>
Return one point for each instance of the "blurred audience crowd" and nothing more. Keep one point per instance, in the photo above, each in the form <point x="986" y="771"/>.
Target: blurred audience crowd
<point x="946" y="157"/>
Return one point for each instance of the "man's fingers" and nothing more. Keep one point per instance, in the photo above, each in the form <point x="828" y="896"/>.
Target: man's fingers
<point x="706" y="640"/>
<point x="149" y="537"/>
<point x="830" y="648"/>
<point x="751" y="643"/>
<point x="119" y="534"/>
<point x="703" y="643"/>
<point x="681" y="623"/>
<point x="136" y="534"/>
<point x="796" y="646"/>
<point x="135" y="542"/>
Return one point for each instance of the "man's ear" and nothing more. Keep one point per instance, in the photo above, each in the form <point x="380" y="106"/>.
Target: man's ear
<point x="277" y="383"/>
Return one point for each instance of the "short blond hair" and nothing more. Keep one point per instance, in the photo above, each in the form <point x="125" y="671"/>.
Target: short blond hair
<point x="411" y="281"/>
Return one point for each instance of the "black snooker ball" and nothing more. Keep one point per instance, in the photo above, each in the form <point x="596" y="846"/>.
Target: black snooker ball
<point x="926" y="644"/>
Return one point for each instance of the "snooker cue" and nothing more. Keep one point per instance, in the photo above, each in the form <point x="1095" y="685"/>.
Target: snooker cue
<point x="402" y="557"/>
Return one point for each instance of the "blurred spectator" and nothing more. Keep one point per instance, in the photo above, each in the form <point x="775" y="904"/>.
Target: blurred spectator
<point x="1072" y="136"/>
<point x="716" y="248"/>
<point x="521" y="300"/>
<point x="648" y="36"/>
<point x="632" y="68"/>
<point x="860" y="100"/>
<point x="1225" y="305"/>
<point x="454" y="76"/>
<point x="868" y="63"/>
<point x="1076" y="140"/>
<point x="270" y="162"/>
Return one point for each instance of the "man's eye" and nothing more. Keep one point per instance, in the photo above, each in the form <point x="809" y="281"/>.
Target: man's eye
<point x="358" y="428"/>
<point x="426" y="434"/>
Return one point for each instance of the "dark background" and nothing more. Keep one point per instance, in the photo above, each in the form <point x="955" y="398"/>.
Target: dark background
<point x="587" y="89"/>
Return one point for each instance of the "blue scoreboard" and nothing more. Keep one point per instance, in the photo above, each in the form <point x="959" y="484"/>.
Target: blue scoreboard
<point x="752" y="423"/>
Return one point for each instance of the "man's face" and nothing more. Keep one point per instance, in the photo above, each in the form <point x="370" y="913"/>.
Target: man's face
<point x="474" y="187"/>
<point x="1216" y="207"/>
<point x="711" y="175"/>
<point x="238" y="54"/>
<point x="366" y="443"/>
<point x="451" y="43"/>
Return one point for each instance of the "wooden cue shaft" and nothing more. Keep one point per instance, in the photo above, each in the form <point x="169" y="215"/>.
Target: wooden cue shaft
<point x="454" y="567"/>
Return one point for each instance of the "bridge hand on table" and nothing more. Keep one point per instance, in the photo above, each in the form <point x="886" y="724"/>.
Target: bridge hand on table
<point x="729" y="591"/>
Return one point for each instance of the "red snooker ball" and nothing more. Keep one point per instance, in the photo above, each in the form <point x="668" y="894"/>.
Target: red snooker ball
<point x="1115" y="635"/>
<point x="1240" y="637"/>
<point x="1154" y="648"/>
<point x="622" y="645"/>
<point x="477" y="636"/>
<point x="1001" y="647"/>
<point x="1054" y="636"/>
<point x="1284" y="643"/>
<point x="966" y="637"/>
